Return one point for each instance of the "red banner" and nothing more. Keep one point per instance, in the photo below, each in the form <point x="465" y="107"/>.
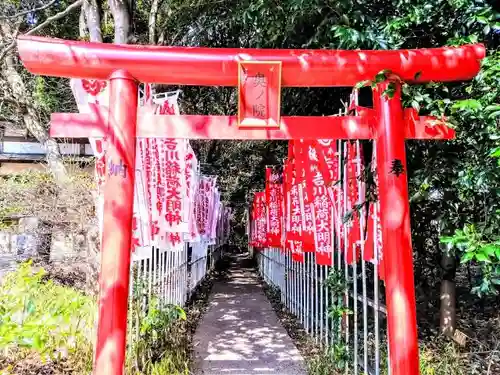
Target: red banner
<point x="327" y="148"/>
<point x="192" y="186"/>
<point x="304" y="177"/>
<point x="322" y="211"/>
<point x="312" y="198"/>
<point x="307" y="210"/>
<point x="287" y="186"/>
<point x="294" y="222"/>
<point x="322" y="150"/>
<point x="303" y="169"/>
<point x="297" y="251"/>
<point x="151" y="166"/>
<point x="324" y="226"/>
<point x="274" y="200"/>
<point x="259" y="215"/>
<point x="172" y="186"/>
<point x="205" y="191"/>
<point x="251" y="224"/>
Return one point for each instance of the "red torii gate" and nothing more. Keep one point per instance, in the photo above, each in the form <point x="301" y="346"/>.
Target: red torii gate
<point x="126" y="65"/>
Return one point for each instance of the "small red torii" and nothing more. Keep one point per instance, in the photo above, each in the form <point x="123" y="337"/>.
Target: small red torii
<point x="126" y="65"/>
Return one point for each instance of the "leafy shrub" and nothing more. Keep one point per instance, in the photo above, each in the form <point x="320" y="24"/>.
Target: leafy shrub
<point x="159" y="344"/>
<point x="39" y="317"/>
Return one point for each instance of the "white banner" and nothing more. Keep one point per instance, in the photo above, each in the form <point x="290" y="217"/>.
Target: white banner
<point x="173" y="187"/>
<point x="148" y="220"/>
<point x="90" y="92"/>
<point x="215" y="216"/>
<point x="192" y="182"/>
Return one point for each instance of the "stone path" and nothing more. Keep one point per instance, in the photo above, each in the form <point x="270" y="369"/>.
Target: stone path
<point x="240" y="333"/>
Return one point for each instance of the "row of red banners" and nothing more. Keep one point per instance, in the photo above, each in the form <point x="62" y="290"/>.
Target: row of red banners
<point x="316" y="202"/>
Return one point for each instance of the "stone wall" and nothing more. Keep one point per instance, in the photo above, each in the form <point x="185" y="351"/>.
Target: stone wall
<point x="33" y="240"/>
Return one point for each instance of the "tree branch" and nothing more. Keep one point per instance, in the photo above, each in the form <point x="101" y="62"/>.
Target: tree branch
<point x="82" y="26"/>
<point x="11" y="120"/>
<point x="23" y="13"/>
<point x="49" y="20"/>
<point x="11" y="45"/>
<point x="319" y="29"/>
<point x="57" y="16"/>
<point x="10" y="100"/>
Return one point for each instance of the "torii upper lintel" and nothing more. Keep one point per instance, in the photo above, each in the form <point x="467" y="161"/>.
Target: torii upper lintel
<point x="219" y="66"/>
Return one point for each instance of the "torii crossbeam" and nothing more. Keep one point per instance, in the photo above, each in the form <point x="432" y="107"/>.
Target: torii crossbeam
<point x="94" y="124"/>
<point x="124" y="66"/>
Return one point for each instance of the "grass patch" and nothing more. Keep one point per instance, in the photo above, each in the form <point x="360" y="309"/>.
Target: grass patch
<point x="43" y="324"/>
<point x="441" y="357"/>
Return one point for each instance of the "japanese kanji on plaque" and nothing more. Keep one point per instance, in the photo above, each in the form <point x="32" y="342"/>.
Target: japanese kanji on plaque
<point x="259" y="94"/>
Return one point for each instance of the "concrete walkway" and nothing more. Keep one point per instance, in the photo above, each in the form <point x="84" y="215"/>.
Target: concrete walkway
<point x="240" y="333"/>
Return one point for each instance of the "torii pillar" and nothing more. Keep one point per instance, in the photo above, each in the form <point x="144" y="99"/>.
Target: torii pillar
<point x="387" y="123"/>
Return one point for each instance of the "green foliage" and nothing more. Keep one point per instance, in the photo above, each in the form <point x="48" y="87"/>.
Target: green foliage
<point x="335" y="357"/>
<point x="336" y="282"/>
<point x="159" y="343"/>
<point x="40" y="316"/>
<point x="469" y="240"/>
<point x="478" y="184"/>
<point x="332" y="361"/>
<point x="441" y="358"/>
<point x="337" y="312"/>
<point x="474" y="249"/>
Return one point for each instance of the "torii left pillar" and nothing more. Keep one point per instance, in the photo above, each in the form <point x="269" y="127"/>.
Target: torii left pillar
<point x="116" y="237"/>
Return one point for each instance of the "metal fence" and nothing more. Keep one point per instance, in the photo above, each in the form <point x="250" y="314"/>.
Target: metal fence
<point x="340" y="306"/>
<point x="167" y="277"/>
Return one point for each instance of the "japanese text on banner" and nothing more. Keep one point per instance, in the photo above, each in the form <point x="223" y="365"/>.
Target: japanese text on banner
<point x="274" y="200"/>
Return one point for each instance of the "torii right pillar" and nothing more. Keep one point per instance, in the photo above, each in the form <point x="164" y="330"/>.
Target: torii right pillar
<point x="396" y="231"/>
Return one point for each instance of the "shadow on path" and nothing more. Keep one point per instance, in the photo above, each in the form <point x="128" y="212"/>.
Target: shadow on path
<point x="240" y="333"/>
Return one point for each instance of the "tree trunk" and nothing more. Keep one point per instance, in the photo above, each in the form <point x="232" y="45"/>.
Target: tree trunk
<point x="152" y="21"/>
<point x="448" y="314"/>
<point x="92" y="11"/>
<point x="212" y="152"/>
<point x="82" y="26"/>
<point x="121" y="14"/>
